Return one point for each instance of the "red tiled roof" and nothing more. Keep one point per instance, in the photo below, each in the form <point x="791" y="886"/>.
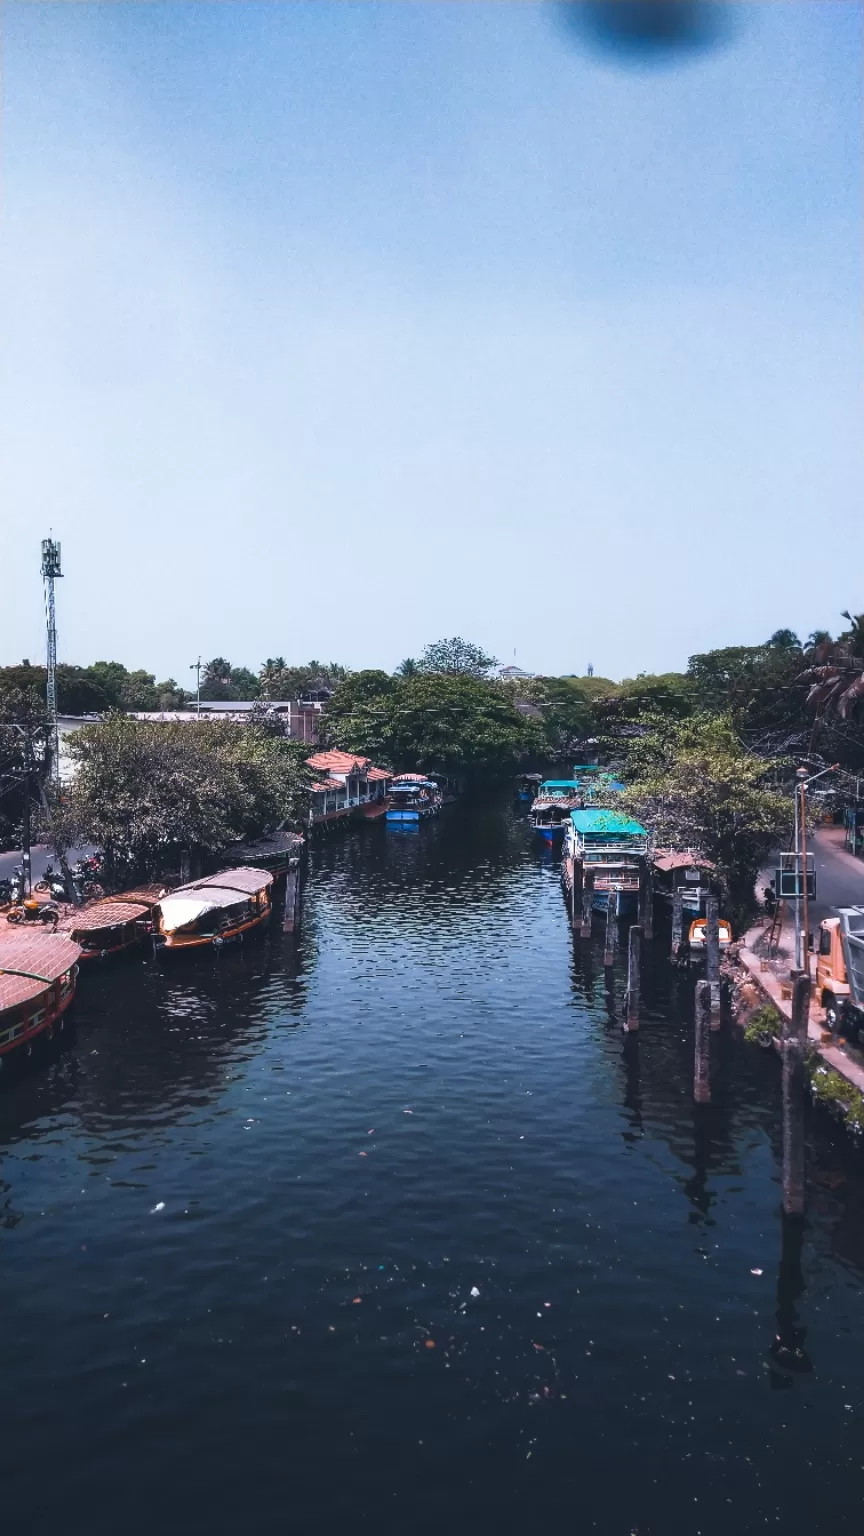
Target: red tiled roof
<point x="45" y="955"/>
<point x="378" y="773"/>
<point x="338" y="762"/>
<point x="321" y="784"/>
<point x="670" y="858"/>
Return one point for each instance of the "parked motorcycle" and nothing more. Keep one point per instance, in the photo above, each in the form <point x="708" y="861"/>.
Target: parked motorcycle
<point x="31" y="911"/>
<point x="52" y="884"/>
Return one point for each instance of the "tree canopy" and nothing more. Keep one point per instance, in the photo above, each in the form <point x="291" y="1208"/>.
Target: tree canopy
<point x="696" y="785"/>
<point x="144" y="790"/>
<point x="456" y="656"/>
<point x="428" y="721"/>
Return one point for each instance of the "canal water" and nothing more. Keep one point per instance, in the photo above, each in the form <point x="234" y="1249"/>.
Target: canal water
<point x="390" y="1228"/>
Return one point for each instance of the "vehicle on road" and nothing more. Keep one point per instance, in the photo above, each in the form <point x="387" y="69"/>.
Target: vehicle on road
<point x="840" y="969"/>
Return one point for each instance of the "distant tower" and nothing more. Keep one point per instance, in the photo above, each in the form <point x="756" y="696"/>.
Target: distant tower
<point x="50" y="571"/>
<point x="590" y="672"/>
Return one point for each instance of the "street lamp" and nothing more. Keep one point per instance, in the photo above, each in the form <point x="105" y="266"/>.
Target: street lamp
<point x="195" y="667"/>
<point x="802" y="936"/>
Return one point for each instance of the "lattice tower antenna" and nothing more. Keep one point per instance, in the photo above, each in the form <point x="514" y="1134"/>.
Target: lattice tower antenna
<point x="50" y="571"/>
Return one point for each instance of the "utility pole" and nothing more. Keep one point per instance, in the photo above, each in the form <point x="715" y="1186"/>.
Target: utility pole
<point x="50" y="572"/>
<point x="196" y="668"/>
<point x="26" y="877"/>
<point x="805" y="937"/>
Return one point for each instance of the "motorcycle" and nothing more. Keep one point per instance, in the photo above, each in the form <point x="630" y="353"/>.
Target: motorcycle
<point x="52" y="884"/>
<point x="31" y="911"/>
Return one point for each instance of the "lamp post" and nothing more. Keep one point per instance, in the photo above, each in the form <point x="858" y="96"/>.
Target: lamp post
<point x="802" y="935"/>
<point x="195" y="667"/>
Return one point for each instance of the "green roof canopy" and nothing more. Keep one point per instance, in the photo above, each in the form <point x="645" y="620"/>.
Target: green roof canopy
<point x="559" y="784"/>
<point x="598" y="820"/>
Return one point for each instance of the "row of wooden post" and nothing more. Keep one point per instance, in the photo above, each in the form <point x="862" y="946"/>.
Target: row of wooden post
<point x="794" y="1032"/>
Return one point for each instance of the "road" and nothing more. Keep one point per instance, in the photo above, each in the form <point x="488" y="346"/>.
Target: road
<point x="40" y="855"/>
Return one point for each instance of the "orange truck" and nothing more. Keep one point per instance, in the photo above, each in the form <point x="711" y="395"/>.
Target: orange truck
<point x="840" y="969"/>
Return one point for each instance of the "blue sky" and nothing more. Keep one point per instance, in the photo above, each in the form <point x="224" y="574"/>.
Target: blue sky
<point x="331" y="328"/>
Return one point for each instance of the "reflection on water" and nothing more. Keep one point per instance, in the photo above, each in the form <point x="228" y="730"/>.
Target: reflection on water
<point x="394" y="1226"/>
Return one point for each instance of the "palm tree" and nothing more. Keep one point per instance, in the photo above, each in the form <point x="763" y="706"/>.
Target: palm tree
<point x="837" y="682"/>
<point x="407" y="668"/>
<point x="216" y="671"/>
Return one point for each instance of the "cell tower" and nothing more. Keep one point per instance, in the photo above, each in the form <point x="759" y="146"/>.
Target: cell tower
<point x="50" y="571"/>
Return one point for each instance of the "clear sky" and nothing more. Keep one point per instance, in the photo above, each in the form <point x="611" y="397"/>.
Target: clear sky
<point x="332" y="328"/>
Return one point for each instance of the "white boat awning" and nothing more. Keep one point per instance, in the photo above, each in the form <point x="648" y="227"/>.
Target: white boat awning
<point x="180" y="911"/>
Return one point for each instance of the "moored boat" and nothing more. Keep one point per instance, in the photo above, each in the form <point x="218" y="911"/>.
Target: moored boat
<point x="527" y="786"/>
<point x="38" y="973"/>
<point x="698" y="935"/>
<point x="218" y="909"/>
<point x="111" y="926"/>
<point x="614" y="848"/>
<point x="555" y="799"/>
<point x="413" y="798"/>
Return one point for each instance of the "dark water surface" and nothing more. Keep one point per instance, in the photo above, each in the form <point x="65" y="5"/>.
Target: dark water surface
<point x="240" y="1211"/>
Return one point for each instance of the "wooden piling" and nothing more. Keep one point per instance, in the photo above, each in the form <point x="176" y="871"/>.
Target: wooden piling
<point x="646" y="902"/>
<point x="576" y="894"/>
<point x="677" y="924"/>
<point x="634" y="967"/>
<point x="702" y="1059"/>
<point x="712" y="956"/>
<point x="292" y="898"/>
<point x="587" y="902"/>
<point x="611" y="929"/>
<point x="793" y="1045"/>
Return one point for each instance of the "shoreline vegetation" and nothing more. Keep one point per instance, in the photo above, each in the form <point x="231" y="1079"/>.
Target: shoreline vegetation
<point x="707" y="756"/>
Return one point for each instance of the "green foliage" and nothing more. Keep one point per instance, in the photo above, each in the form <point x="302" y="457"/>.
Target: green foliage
<point x="221" y="681"/>
<point x="143" y="790"/>
<point x="433" y="721"/>
<point x="764" y="1025"/>
<point x="697" y="786"/>
<point x="279" y="681"/>
<point x="457" y="657"/>
<point x="836" y="1093"/>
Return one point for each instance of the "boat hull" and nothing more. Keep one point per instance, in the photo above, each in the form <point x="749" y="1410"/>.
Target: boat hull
<point x="16" y="1041"/>
<point x="408" y="816"/>
<point x="198" y="943"/>
<point x="628" y="902"/>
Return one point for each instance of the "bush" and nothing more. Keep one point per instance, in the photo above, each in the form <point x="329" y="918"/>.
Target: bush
<point x="764" y="1025"/>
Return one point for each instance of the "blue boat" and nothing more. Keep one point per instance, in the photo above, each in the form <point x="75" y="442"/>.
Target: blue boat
<point x="556" y="798"/>
<point x="412" y="798"/>
<point x="528" y="786"/>
<point x="615" y="848"/>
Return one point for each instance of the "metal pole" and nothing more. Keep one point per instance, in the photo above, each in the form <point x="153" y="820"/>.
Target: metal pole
<point x="798" y="965"/>
<point x="806" y="939"/>
<point x="575" y="893"/>
<point x="26" y="882"/>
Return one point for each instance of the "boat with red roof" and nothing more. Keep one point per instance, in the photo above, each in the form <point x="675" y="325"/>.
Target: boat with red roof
<point x="38" y="973"/>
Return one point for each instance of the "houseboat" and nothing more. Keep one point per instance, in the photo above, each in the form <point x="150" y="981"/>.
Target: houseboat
<point x="554" y="801"/>
<point x="527" y="786"/>
<point x="615" y="849"/>
<point x="38" y="972"/>
<point x="225" y="908"/>
<point x="112" y="926"/>
<point x="686" y="872"/>
<point x="413" y="798"/>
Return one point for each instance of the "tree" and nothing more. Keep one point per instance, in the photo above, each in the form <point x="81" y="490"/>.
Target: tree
<point x="456" y="656"/>
<point x="407" y="668"/>
<point x="434" y="721"/>
<point x="697" y="787"/>
<point x="279" y="681"/>
<point x="144" y="790"/>
<point x="354" y="715"/>
<point x="837" y="683"/>
<point x="785" y="640"/>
